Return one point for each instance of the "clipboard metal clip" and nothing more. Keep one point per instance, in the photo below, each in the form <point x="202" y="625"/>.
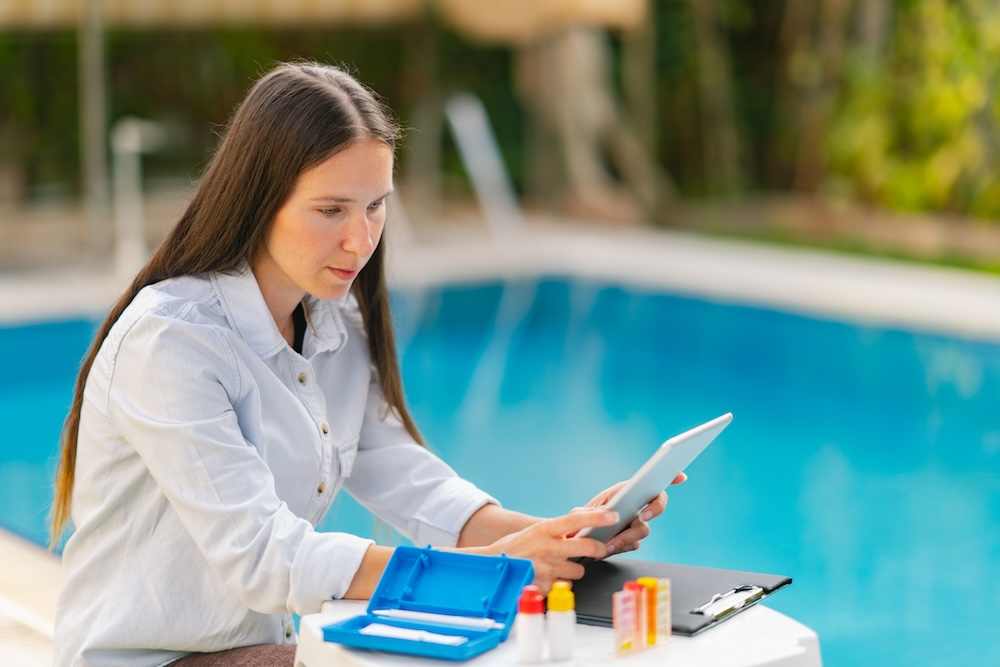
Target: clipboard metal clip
<point x="730" y="601"/>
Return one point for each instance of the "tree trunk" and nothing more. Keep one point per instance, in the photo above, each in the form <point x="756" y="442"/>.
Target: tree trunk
<point x="819" y="94"/>
<point x="720" y="134"/>
<point x="94" y="131"/>
<point x="793" y="60"/>
<point x="650" y="179"/>
<point x="421" y="182"/>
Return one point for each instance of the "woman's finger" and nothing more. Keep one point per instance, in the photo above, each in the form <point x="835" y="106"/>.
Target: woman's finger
<point x="638" y="530"/>
<point x="605" y="495"/>
<point x="629" y="539"/>
<point x="654" y="508"/>
<point x="576" y="521"/>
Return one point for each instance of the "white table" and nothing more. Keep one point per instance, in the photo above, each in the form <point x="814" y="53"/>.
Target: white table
<point x="756" y="637"/>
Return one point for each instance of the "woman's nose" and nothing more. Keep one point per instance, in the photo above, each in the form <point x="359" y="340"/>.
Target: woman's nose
<point x="358" y="236"/>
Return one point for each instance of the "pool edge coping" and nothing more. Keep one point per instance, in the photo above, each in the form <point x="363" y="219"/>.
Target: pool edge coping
<point x="817" y="283"/>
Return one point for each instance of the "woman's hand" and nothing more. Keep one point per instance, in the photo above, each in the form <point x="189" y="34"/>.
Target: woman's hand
<point x="630" y="538"/>
<point x="550" y="544"/>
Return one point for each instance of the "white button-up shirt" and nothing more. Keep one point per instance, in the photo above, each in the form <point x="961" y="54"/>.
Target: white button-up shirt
<point x="208" y="452"/>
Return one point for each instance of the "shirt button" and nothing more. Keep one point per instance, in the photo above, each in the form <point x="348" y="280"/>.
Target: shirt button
<point x="326" y="429"/>
<point x="302" y="378"/>
<point x="321" y="488"/>
<point x="288" y="633"/>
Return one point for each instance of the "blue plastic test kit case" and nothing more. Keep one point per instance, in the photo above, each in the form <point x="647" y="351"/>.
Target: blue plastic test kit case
<point x="440" y="582"/>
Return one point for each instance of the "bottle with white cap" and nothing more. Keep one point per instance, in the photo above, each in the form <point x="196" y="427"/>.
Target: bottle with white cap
<point x="561" y="621"/>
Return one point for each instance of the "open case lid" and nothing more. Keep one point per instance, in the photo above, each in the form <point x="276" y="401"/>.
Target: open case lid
<point x="457" y="584"/>
<point x="698" y="595"/>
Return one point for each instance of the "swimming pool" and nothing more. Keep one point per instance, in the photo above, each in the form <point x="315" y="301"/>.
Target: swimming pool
<point x="862" y="461"/>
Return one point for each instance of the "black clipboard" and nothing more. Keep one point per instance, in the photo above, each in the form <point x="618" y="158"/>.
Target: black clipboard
<point x="700" y="597"/>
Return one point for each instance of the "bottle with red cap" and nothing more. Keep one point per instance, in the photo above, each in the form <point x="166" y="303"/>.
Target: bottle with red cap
<point x="529" y="625"/>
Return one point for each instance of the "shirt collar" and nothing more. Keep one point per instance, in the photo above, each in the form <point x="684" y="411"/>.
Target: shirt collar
<point x="325" y="321"/>
<point x="250" y="318"/>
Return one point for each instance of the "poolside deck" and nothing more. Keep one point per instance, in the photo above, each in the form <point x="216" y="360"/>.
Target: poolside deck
<point x="815" y="283"/>
<point x="29" y="581"/>
<point x="811" y="282"/>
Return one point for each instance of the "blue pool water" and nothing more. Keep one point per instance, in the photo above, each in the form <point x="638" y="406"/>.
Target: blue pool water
<point x="863" y="462"/>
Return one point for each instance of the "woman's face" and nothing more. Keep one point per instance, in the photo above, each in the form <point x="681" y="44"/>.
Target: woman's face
<point x="328" y="228"/>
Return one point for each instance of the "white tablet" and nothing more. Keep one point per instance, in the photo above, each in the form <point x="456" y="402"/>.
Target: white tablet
<point x="669" y="460"/>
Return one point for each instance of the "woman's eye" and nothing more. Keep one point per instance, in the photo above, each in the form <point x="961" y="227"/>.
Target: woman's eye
<point x="376" y="204"/>
<point x="329" y="211"/>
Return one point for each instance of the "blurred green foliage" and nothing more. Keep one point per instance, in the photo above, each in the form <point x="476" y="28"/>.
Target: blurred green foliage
<point x="190" y="80"/>
<point x="912" y="125"/>
<point x="916" y="126"/>
<point x="38" y="119"/>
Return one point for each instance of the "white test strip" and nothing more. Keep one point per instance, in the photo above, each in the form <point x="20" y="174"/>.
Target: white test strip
<point x="391" y="631"/>
<point x="446" y="619"/>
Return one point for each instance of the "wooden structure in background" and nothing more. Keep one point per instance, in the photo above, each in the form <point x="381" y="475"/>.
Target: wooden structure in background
<point x="590" y="147"/>
<point x="525" y="21"/>
<point x="40" y="14"/>
<point x="545" y="33"/>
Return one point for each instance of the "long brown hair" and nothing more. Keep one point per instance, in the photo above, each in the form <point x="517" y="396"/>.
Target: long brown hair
<point x="293" y="118"/>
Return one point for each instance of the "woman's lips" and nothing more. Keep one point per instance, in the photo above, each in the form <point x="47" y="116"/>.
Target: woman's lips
<point x="344" y="274"/>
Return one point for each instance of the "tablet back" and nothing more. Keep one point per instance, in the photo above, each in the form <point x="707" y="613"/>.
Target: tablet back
<point x="668" y="461"/>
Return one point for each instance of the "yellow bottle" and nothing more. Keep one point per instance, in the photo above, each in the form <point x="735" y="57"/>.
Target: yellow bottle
<point x="561" y="621"/>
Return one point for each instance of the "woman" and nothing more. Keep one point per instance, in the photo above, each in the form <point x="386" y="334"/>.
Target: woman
<point x="247" y="374"/>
